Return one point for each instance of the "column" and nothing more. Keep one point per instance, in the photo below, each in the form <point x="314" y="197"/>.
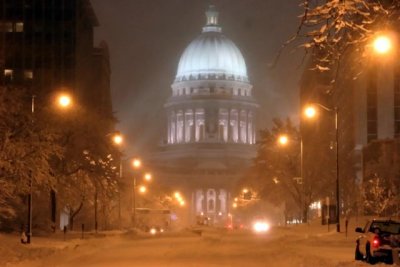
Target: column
<point x="238" y="125"/>
<point x="176" y="127"/>
<point x="184" y="126"/>
<point x="229" y="126"/>
<point x="247" y="127"/>
<point x="254" y="129"/>
<point x="169" y="128"/>
<point x="193" y="129"/>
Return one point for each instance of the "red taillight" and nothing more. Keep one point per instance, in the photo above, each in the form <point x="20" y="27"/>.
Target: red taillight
<point x="375" y="242"/>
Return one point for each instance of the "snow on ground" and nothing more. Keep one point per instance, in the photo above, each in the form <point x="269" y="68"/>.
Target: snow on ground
<point x="304" y="246"/>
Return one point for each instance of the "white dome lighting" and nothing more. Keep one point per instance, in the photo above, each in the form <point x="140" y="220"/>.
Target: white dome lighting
<point x="212" y="55"/>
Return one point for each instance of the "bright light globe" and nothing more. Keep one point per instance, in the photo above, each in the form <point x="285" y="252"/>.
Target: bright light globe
<point x="382" y="44"/>
<point x="153" y="231"/>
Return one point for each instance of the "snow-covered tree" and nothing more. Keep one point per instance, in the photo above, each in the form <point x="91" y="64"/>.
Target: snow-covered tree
<point x="380" y="189"/>
<point x="278" y="166"/>
<point x="330" y="29"/>
<point x="26" y="147"/>
<point x="87" y="172"/>
<point x="378" y="196"/>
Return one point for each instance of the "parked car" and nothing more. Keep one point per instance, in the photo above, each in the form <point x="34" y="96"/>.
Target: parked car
<point x="377" y="240"/>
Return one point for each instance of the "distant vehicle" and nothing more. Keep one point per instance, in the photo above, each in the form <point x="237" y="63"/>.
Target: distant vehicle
<point x="261" y="226"/>
<point x="377" y="241"/>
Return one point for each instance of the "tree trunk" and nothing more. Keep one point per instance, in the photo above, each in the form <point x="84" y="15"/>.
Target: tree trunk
<point x="73" y="214"/>
<point x="53" y="201"/>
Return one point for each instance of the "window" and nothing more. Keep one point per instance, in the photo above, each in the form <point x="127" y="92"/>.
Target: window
<point x="11" y="27"/>
<point x="6" y="27"/>
<point x="19" y="27"/>
<point x="28" y="75"/>
<point x="8" y="73"/>
<point x="372" y="114"/>
<point x="372" y="127"/>
<point x="397" y="128"/>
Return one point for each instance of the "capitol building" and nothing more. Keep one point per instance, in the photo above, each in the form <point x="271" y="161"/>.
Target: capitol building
<point x="211" y="124"/>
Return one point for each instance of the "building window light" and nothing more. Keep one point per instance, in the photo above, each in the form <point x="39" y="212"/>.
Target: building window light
<point x="8" y="73"/>
<point x="19" y="27"/>
<point x="6" y="27"/>
<point x="28" y="74"/>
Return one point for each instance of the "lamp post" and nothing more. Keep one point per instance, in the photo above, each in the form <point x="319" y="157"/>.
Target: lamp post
<point x="63" y="101"/>
<point x="136" y="163"/>
<point x="142" y="190"/>
<point x="118" y="140"/>
<point x="283" y="140"/>
<point x="310" y="112"/>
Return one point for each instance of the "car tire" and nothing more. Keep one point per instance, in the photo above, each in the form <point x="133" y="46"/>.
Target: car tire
<point x="358" y="256"/>
<point x="368" y="257"/>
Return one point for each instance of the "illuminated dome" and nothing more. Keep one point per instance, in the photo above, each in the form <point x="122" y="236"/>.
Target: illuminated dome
<point x="212" y="55"/>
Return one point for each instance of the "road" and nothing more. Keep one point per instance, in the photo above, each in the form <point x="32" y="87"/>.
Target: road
<point x="215" y="247"/>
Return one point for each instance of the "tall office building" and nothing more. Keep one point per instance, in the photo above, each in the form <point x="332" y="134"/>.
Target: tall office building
<point x="47" y="45"/>
<point x="368" y="103"/>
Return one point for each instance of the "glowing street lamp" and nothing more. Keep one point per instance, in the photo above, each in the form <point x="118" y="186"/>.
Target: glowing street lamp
<point x="245" y="191"/>
<point x="283" y="140"/>
<point x="235" y="205"/>
<point x="310" y="112"/>
<point x="142" y="189"/>
<point x="182" y="203"/>
<point x="117" y="139"/>
<point x="64" y="100"/>
<point x="177" y="195"/>
<point x="148" y="177"/>
<point x="136" y="163"/>
<point x="382" y="44"/>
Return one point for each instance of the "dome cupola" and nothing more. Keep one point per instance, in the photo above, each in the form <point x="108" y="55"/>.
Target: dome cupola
<point x="212" y="55"/>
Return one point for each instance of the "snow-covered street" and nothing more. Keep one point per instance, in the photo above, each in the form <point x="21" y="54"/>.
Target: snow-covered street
<point x="293" y="246"/>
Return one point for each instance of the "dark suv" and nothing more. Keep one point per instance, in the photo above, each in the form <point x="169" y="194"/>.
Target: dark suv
<point x="377" y="240"/>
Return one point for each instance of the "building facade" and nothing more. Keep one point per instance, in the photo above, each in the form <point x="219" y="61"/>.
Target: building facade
<point x="211" y="129"/>
<point x="368" y="121"/>
<point x="47" y="46"/>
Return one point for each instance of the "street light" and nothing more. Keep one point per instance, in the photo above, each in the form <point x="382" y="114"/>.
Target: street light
<point x="118" y="139"/>
<point x="148" y="177"/>
<point x="177" y="195"/>
<point x="142" y="189"/>
<point x="382" y="44"/>
<point x="312" y="111"/>
<point x="64" y="101"/>
<point x="283" y="140"/>
<point x="136" y="163"/>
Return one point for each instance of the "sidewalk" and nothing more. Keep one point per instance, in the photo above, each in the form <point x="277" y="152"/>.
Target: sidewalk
<point x="12" y="251"/>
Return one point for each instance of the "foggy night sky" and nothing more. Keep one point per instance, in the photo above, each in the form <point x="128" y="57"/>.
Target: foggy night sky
<point x="147" y="37"/>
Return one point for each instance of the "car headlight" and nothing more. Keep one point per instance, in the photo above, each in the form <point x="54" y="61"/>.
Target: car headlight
<point x="261" y="227"/>
<point x="153" y="231"/>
